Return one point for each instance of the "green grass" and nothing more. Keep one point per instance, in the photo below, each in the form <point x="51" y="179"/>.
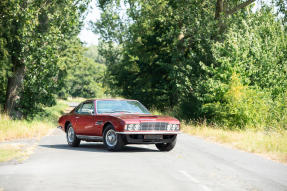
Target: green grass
<point x="51" y="114"/>
<point x="271" y="144"/>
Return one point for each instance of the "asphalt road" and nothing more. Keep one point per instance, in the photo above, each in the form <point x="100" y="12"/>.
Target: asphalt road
<point x="194" y="164"/>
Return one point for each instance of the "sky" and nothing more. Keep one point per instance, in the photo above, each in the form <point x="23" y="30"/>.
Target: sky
<point x="86" y="35"/>
<point x="89" y="38"/>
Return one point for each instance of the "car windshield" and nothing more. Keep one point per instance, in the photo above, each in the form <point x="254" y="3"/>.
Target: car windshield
<point x="120" y="106"/>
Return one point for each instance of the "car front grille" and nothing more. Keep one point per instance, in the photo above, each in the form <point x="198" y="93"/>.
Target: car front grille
<point x="157" y="126"/>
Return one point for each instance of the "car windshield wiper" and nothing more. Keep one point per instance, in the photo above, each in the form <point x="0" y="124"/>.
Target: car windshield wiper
<point x="118" y="111"/>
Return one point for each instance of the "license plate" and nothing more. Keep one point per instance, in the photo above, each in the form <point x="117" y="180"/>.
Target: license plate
<point x="153" y="137"/>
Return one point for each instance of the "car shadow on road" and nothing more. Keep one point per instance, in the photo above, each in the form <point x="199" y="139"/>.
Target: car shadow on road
<point x="99" y="147"/>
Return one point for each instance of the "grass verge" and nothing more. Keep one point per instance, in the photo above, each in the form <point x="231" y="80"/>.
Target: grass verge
<point x="26" y="129"/>
<point x="271" y="144"/>
<point x="36" y="128"/>
<point x="16" y="151"/>
<point x="9" y="152"/>
<point x="20" y="129"/>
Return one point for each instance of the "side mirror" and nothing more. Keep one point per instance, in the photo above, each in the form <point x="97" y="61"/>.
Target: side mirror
<point x="91" y="112"/>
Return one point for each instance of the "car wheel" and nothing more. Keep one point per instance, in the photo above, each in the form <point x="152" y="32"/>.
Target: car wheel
<point x="112" y="140"/>
<point x="72" y="139"/>
<point x="166" y="146"/>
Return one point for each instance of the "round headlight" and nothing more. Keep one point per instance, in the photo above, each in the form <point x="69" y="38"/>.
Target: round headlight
<point x="130" y="127"/>
<point x="137" y="127"/>
<point x="174" y="127"/>
<point x="168" y="127"/>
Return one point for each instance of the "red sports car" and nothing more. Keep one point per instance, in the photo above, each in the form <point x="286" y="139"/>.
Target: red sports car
<point x="117" y="123"/>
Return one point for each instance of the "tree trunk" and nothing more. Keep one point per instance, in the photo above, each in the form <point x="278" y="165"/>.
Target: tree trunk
<point x="219" y="9"/>
<point x="15" y="83"/>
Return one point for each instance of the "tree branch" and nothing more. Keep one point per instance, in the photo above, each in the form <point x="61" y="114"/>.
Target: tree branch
<point x="238" y="7"/>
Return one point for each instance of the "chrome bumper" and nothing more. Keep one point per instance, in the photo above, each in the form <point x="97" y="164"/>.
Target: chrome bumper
<point x="149" y="132"/>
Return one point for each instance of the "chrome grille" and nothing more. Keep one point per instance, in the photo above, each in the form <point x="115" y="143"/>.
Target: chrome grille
<point x="150" y="126"/>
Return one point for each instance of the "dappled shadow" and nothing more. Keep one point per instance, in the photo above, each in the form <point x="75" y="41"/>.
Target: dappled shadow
<point x="99" y="147"/>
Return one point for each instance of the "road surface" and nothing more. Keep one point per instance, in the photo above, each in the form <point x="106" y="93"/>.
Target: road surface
<point x="194" y="164"/>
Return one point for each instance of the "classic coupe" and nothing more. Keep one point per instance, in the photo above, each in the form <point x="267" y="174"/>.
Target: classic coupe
<point x="117" y="123"/>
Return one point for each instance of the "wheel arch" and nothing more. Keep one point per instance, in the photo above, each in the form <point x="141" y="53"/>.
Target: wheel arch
<point x="66" y="125"/>
<point x="106" y="125"/>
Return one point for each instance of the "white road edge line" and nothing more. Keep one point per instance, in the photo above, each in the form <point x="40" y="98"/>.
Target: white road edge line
<point x="189" y="176"/>
<point x="205" y="187"/>
<point x="194" y="180"/>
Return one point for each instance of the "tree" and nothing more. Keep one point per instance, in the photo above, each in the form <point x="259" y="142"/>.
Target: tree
<point x="218" y="60"/>
<point x="92" y="52"/>
<point x="85" y="79"/>
<point x="161" y="44"/>
<point x="249" y="78"/>
<point x="36" y="35"/>
<point x="223" y="9"/>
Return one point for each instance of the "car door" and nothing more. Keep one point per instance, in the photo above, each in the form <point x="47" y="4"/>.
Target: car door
<point x="74" y="118"/>
<point x="86" y="119"/>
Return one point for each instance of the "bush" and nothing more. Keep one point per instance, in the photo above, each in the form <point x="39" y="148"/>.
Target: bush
<point x="240" y="106"/>
<point x="279" y="110"/>
<point x="246" y="87"/>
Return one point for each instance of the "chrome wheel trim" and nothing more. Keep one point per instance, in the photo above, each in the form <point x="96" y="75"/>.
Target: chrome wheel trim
<point x="71" y="135"/>
<point x="111" y="138"/>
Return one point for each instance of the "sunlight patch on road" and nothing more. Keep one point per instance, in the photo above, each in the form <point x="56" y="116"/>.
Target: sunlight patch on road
<point x="194" y="180"/>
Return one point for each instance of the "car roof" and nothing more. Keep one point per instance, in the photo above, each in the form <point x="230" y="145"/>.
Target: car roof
<point x="110" y="99"/>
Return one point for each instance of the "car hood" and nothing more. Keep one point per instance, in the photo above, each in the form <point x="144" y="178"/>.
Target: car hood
<point x="139" y="118"/>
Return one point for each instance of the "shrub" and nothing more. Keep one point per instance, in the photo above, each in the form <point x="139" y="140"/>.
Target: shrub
<point x="246" y="87"/>
<point x="241" y="106"/>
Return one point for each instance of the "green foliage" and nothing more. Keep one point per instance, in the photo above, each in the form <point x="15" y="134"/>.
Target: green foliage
<point x="282" y="10"/>
<point x="240" y="106"/>
<point x="39" y="35"/>
<point x="256" y="48"/>
<point x="243" y="88"/>
<point x="176" y="55"/>
<point x="84" y="75"/>
<point x="85" y="80"/>
<point x="92" y="52"/>
<point x="52" y="114"/>
<point x="151" y="63"/>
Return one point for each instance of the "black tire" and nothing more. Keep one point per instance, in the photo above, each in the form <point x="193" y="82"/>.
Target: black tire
<point x="118" y="141"/>
<point x="73" y="141"/>
<point x="166" y="146"/>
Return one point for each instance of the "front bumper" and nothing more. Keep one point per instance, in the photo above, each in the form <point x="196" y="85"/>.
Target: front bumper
<point x="149" y="132"/>
<point x="140" y="139"/>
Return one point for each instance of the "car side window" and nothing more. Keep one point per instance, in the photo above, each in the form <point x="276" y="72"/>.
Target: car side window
<point x="78" y="109"/>
<point x="87" y="108"/>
